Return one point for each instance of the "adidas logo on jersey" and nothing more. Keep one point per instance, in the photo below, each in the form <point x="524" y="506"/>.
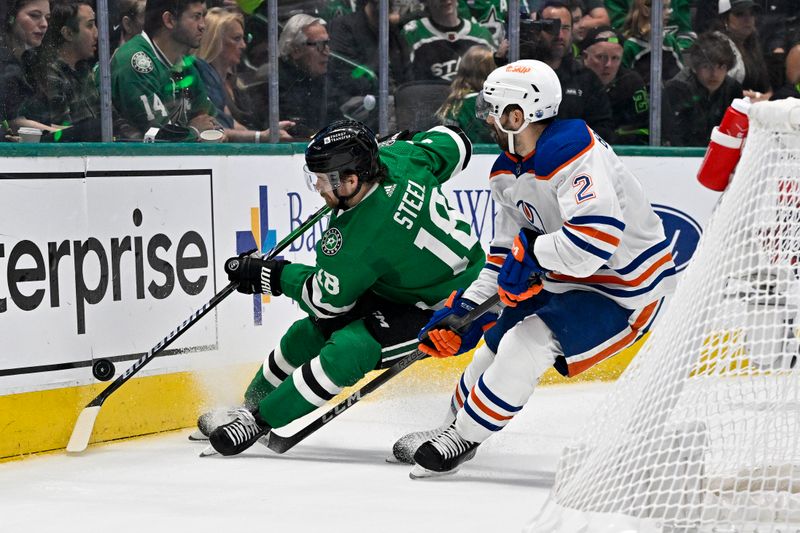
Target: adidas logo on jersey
<point x="390" y="189"/>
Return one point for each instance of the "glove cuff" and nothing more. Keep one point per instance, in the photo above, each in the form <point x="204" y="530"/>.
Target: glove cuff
<point x="530" y="236"/>
<point x="271" y="277"/>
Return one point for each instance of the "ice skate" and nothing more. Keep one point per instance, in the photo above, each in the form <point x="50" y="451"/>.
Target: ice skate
<point x="405" y="447"/>
<point x="443" y="454"/>
<point x="238" y="435"/>
<point x="209" y="421"/>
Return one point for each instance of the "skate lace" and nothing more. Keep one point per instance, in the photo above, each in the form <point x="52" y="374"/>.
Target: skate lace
<point x="450" y="444"/>
<point x="243" y="428"/>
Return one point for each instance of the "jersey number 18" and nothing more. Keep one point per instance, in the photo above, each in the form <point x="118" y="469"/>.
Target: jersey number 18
<point x="447" y="223"/>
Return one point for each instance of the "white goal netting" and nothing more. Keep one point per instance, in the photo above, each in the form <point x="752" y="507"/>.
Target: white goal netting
<point x="702" y="431"/>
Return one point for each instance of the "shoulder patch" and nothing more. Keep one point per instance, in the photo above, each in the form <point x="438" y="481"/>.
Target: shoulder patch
<point x="563" y="142"/>
<point x="141" y="63"/>
<point x="331" y="241"/>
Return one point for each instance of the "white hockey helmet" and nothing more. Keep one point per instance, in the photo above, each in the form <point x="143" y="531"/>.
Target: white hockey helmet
<point x="530" y="84"/>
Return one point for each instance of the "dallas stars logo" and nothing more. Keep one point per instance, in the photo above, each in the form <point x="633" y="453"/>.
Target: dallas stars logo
<point x="141" y="63"/>
<point x="331" y="241"/>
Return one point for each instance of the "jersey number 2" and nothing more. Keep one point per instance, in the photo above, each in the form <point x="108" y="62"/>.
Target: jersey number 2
<point x="584" y="183"/>
<point x="426" y="241"/>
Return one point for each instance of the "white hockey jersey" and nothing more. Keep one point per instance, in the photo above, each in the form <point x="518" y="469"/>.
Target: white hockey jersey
<point x="599" y="231"/>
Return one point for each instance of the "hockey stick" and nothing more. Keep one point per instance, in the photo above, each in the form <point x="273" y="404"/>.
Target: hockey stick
<point x="82" y="431"/>
<point x="279" y="444"/>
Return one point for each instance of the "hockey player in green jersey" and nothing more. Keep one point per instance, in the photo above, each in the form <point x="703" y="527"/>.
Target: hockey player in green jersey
<point x="153" y="79"/>
<point x="394" y="251"/>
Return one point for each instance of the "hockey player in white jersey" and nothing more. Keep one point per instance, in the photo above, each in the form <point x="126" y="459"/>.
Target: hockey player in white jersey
<point x="579" y="258"/>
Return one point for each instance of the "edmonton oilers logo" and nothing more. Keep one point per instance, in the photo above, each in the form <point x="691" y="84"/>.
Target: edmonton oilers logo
<point x="531" y="215"/>
<point x="682" y="231"/>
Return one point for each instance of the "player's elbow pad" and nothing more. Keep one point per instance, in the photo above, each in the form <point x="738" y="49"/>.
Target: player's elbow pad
<point x="467" y="143"/>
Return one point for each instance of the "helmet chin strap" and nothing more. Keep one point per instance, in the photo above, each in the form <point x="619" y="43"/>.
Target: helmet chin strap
<point x="343" y="199"/>
<point x="511" y="134"/>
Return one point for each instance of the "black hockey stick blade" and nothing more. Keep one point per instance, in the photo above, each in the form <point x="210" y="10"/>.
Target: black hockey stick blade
<point x="280" y="444"/>
<point x="82" y="431"/>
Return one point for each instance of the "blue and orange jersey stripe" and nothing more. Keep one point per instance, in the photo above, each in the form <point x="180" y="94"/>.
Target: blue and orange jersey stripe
<point x="572" y="159"/>
<point x="595" y="233"/>
<point x="616" y="280"/>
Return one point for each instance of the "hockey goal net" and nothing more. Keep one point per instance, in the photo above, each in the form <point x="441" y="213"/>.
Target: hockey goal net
<point x="702" y="431"/>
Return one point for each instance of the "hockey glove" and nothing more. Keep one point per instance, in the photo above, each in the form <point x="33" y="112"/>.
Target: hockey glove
<point x="519" y="267"/>
<point x="441" y="340"/>
<point x="255" y="275"/>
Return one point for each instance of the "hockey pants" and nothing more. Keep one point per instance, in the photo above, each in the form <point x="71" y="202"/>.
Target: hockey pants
<point x="494" y="387"/>
<point x="310" y="366"/>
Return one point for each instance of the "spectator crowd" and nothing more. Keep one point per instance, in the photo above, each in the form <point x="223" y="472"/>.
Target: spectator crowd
<point x="185" y="70"/>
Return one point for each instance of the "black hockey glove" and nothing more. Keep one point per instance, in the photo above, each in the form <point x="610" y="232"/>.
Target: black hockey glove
<point x="256" y="275"/>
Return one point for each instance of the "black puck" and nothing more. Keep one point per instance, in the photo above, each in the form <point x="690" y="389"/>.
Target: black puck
<point x="103" y="369"/>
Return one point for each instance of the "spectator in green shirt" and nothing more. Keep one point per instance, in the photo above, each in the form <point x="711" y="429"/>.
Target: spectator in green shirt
<point x="459" y="107"/>
<point x="154" y="81"/>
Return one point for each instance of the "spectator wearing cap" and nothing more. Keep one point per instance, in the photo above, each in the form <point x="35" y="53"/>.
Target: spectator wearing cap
<point x="777" y="21"/>
<point x="737" y="23"/>
<point x="700" y="94"/>
<point x="583" y="95"/>
<point x="602" y="54"/>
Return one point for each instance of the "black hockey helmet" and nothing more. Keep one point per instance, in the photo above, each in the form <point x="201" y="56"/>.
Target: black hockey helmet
<point x="343" y="147"/>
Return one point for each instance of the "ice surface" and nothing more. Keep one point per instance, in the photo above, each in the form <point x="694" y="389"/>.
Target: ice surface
<point x="335" y="481"/>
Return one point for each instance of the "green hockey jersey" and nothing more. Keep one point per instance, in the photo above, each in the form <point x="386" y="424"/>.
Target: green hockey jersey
<point x="403" y="241"/>
<point x="435" y="52"/>
<point x="148" y="91"/>
<point x="491" y="14"/>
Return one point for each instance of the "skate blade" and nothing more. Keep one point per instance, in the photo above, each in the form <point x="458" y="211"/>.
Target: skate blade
<point x="198" y="436"/>
<point x="208" y="452"/>
<point x="419" y="472"/>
